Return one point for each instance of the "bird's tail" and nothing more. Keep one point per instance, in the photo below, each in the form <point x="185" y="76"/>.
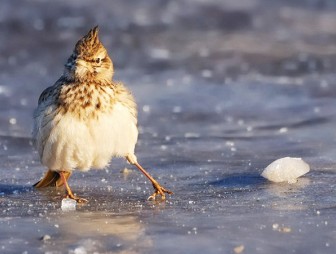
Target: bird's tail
<point x="52" y="179"/>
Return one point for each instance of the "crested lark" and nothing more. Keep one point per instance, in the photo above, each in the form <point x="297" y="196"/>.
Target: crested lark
<point x="86" y="118"/>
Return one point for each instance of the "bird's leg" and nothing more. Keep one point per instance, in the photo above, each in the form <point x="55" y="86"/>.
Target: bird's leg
<point x="69" y="191"/>
<point x="158" y="188"/>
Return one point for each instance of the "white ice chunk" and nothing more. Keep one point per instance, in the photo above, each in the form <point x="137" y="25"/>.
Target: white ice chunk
<point x="286" y="170"/>
<point x="68" y="204"/>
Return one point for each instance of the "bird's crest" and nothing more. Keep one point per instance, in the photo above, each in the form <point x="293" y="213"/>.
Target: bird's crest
<point x="92" y="36"/>
<point x="89" y="43"/>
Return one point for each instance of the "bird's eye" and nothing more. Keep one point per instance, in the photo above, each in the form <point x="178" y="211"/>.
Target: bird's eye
<point x="97" y="60"/>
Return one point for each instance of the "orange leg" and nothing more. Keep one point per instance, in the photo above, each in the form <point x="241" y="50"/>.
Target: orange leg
<point x="68" y="190"/>
<point x="158" y="188"/>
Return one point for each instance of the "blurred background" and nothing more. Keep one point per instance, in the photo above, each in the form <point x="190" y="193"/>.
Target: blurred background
<point x="214" y="41"/>
<point x="224" y="87"/>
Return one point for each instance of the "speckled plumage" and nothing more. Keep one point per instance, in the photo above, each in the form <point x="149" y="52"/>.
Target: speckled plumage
<point x="82" y="102"/>
<point x="86" y="118"/>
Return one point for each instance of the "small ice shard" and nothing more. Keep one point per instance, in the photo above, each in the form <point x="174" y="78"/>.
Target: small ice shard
<point x="286" y="170"/>
<point x="68" y="204"/>
<point x="45" y="238"/>
<point x="275" y="226"/>
<point x="282" y="229"/>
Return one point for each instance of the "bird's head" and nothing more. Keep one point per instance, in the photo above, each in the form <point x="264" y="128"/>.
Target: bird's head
<point x="89" y="59"/>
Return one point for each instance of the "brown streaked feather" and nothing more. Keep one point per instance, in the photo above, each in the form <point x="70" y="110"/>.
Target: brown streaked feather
<point x="51" y="179"/>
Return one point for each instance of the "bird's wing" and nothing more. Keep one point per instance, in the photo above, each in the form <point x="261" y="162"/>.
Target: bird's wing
<point x="49" y="91"/>
<point x="45" y="94"/>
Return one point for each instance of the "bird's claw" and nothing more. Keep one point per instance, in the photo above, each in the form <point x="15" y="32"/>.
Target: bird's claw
<point x="159" y="190"/>
<point x="81" y="200"/>
<point x="77" y="199"/>
<point x="152" y="197"/>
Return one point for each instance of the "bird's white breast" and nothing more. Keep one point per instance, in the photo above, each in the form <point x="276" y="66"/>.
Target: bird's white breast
<point x="67" y="142"/>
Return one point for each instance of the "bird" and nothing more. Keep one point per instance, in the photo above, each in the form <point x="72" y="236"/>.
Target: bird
<point x="85" y="119"/>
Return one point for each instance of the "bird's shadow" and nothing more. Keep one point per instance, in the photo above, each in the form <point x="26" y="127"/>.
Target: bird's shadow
<point x="8" y="189"/>
<point x="240" y="181"/>
<point x="27" y="192"/>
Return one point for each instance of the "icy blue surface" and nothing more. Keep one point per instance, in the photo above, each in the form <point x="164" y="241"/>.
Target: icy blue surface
<point x="223" y="88"/>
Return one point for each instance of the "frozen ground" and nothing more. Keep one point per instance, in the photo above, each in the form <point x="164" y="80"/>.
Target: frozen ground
<point x="223" y="87"/>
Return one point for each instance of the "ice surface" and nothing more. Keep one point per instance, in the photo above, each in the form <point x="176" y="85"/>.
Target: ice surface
<point x="238" y="84"/>
<point x="286" y="170"/>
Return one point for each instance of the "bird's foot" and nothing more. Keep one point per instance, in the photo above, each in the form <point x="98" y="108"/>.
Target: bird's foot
<point x="159" y="190"/>
<point x="69" y="192"/>
<point x="77" y="199"/>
